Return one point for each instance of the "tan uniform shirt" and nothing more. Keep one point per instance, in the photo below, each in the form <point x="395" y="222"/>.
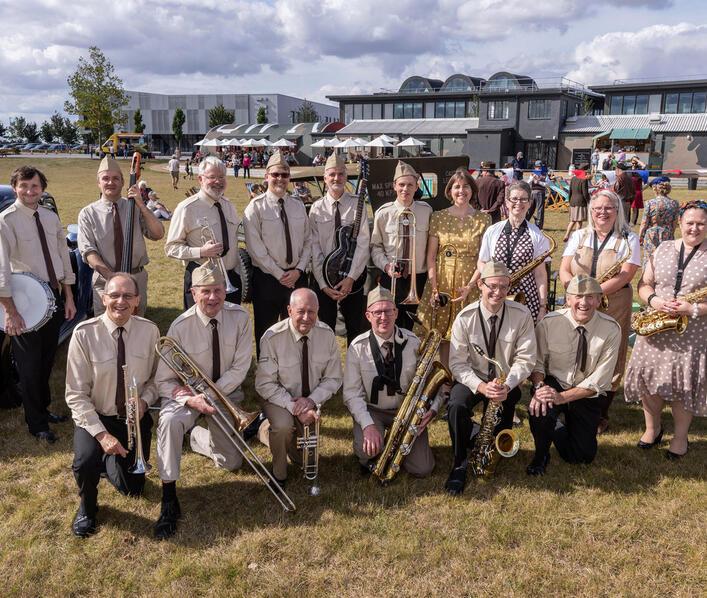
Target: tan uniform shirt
<point x="385" y="244"/>
<point x="265" y="234"/>
<point x="515" y="347"/>
<point x="279" y="375"/>
<point x="91" y="367"/>
<point x="192" y="330"/>
<point x="558" y="341"/>
<point x="21" y="250"/>
<point x="322" y="225"/>
<point x="184" y="240"/>
<point x="96" y="232"/>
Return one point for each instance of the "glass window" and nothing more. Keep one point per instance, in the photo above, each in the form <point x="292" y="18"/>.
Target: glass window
<point x="641" y="105"/>
<point x="539" y="109"/>
<point x="398" y="110"/>
<point x="358" y="111"/>
<point x="367" y="111"/>
<point x="439" y="109"/>
<point x="615" y="107"/>
<point x="457" y="84"/>
<point x="497" y="110"/>
<point x="388" y="111"/>
<point x="699" y="101"/>
<point x="685" y="103"/>
<point x="417" y="85"/>
<point x="473" y="110"/>
<point x="460" y="110"/>
<point x="671" y="103"/>
<point x="449" y="111"/>
<point x="429" y="110"/>
<point x="417" y="110"/>
<point x="629" y="105"/>
<point x="376" y="111"/>
<point x="348" y="113"/>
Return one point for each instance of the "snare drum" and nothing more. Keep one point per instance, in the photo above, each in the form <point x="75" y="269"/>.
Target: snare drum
<point x="33" y="299"/>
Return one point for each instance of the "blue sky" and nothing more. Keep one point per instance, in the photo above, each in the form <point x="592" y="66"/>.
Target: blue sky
<point x="312" y="48"/>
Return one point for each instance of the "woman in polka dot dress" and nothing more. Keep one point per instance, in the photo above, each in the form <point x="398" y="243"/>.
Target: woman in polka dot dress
<point x="667" y="366"/>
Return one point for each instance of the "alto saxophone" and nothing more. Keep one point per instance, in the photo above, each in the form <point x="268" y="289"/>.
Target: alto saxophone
<point x="519" y="274"/>
<point x="648" y="322"/>
<point x="488" y="446"/>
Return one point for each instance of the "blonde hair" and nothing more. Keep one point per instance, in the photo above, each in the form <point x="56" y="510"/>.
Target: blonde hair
<point x="620" y="226"/>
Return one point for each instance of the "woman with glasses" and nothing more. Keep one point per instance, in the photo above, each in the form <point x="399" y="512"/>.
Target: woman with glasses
<point x="594" y="250"/>
<point x="516" y="242"/>
<point x="669" y="366"/>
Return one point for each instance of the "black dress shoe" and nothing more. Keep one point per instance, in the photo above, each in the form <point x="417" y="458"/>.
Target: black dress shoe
<point x="456" y="481"/>
<point x="365" y="469"/>
<point x="83" y="525"/>
<point x="671" y="456"/>
<point x="648" y="445"/>
<point x="537" y="465"/>
<point x="252" y="428"/>
<point x="55" y="418"/>
<point x="166" y="525"/>
<point x="280" y="483"/>
<point x="47" y="436"/>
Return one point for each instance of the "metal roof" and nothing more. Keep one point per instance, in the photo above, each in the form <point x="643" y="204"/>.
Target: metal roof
<point x="411" y="126"/>
<point x="658" y="123"/>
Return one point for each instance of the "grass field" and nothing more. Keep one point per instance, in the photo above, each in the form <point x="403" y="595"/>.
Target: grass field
<point x="631" y="524"/>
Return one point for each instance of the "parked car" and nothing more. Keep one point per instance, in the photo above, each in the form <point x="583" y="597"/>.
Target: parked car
<point x="83" y="297"/>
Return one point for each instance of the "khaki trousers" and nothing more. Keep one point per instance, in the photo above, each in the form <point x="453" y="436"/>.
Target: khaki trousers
<point x="175" y="420"/>
<point x="282" y="438"/>
<point x="419" y="463"/>
<point x="99" y="284"/>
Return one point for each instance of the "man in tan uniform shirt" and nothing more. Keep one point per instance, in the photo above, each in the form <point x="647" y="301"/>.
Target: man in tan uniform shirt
<point x="102" y="226"/>
<point x="577" y="351"/>
<point x="216" y="335"/>
<point x="335" y="210"/>
<point x="299" y="368"/>
<point x="207" y="207"/>
<point x="380" y="365"/>
<point x="95" y="393"/>
<point x="388" y="247"/>
<point x="504" y="330"/>
<point x="279" y="244"/>
<point x="32" y="240"/>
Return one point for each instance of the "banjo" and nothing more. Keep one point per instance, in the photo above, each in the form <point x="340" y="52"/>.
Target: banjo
<point x="33" y="299"/>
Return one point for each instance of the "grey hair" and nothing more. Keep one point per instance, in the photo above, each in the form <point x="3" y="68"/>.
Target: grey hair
<point x="620" y="226"/>
<point x="212" y="161"/>
<point x="522" y="185"/>
<point x="297" y="293"/>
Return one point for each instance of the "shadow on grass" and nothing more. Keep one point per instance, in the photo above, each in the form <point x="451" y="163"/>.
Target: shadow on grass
<point x="162" y="316"/>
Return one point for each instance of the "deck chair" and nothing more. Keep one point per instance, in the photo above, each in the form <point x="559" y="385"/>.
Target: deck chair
<point x="557" y="196"/>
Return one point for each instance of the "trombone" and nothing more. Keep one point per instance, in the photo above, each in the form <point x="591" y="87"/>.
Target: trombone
<point x="405" y="255"/>
<point x="171" y="352"/>
<point x="132" y="420"/>
<point x="309" y="443"/>
<point x="207" y="234"/>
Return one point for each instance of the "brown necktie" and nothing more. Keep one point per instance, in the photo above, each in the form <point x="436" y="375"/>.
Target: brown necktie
<point x="389" y="357"/>
<point x="581" y="360"/>
<point x="224" y="229"/>
<point x="305" y="366"/>
<point x="288" y="239"/>
<point x="120" y="382"/>
<point x="337" y="217"/>
<point x="117" y="238"/>
<point x="215" y="351"/>
<point x="492" y="347"/>
<point x="45" y="251"/>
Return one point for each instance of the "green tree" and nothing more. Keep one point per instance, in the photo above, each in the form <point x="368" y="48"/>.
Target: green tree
<point x="262" y="116"/>
<point x="31" y="133"/>
<point x="97" y="94"/>
<point x="220" y="116"/>
<point x="3" y="129"/>
<point x="306" y="113"/>
<point x="138" y="125"/>
<point x="47" y="132"/>
<point x="177" y="125"/>
<point x="17" y="127"/>
<point x="69" y="132"/>
<point x="57" y="123"/>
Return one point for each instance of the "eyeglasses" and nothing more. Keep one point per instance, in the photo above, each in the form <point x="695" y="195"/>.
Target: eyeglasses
<point x="379" y="313"/>
<point x="279" y="175"/>
<point x="518" y="200"/>
<point x="497" y="288"/>
<point x="117" y="296"/>
<point x="603" y="209"/>
<point x="212" y="178"/>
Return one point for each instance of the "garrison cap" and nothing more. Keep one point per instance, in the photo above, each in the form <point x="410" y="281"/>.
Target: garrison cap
<point x="335" y="161"/>
<point x="584" y="285"/>
<point x="379" y="294"/>
<point x="109" y="164"/>
<point x="404" y="169"/>
<point x="277" y="160"/>
<point x="206" y="275"/>
<point x="493" y="268"/>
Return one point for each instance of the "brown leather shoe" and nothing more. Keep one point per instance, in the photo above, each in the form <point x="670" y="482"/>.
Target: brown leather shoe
<point x="603" y="425"/>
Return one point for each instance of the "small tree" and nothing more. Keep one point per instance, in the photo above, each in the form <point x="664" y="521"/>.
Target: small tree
<point x="138" y="125"/>
<point x="17" y="127"/>
<point x="69" y="132"/>
<point x="587" y="106"/>
<point x="31" y="133"/>
<point x="220" y="116"/>
<point x="262" y="117"/>
<point x="57" y="123"/>
<point x="47" y="132"/>
<point x="178" y="124"/>
<point x="307" y="113"/>
<point x="3" y="129"/>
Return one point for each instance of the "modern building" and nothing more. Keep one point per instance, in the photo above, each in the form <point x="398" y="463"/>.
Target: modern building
<point x="158" y="112"/>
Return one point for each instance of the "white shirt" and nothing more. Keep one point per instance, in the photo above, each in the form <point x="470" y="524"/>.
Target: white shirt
<point x="632" y="245"/>
<point x="493" y="234"/>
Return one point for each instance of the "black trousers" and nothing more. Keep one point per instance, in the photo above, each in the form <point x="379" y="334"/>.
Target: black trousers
<point x="460" y="410"/>
<point x="352" y="308"/>
<point x="270" y="299"/>
<point x="90" y="461"/>
<point x="233" y="276"/>
<point x="576" y="441"/>
<point x="402" y="288"/>
<point x="34" y="354"/>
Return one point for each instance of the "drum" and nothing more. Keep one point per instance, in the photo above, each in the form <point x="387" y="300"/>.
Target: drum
<point x="33" y="299"/>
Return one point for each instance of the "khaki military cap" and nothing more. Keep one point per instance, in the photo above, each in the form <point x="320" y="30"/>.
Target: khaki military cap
<point x="379" y="294"/>
<point x="277" y="160"/>
<point x="584" y="285"/>
<point x="404" y="169"/>
<point x="335" y="161"/>
<point x="109" y="164"/>
<point x="492" y="269"/>
<point x="206" y="275"/>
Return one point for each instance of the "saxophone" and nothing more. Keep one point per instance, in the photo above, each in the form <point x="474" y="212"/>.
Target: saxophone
<point x="488" y="446"/>
<point x="519" y="274"/>
<point x="648" y="322"/>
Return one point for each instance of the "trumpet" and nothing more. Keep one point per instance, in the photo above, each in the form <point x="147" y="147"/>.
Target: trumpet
<point x="169" y="351"/>
<point x="309" y="443"/>
<point x="207" y="234"/>
<point x="132" y="420"/>
<point x="405" y="255"/>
